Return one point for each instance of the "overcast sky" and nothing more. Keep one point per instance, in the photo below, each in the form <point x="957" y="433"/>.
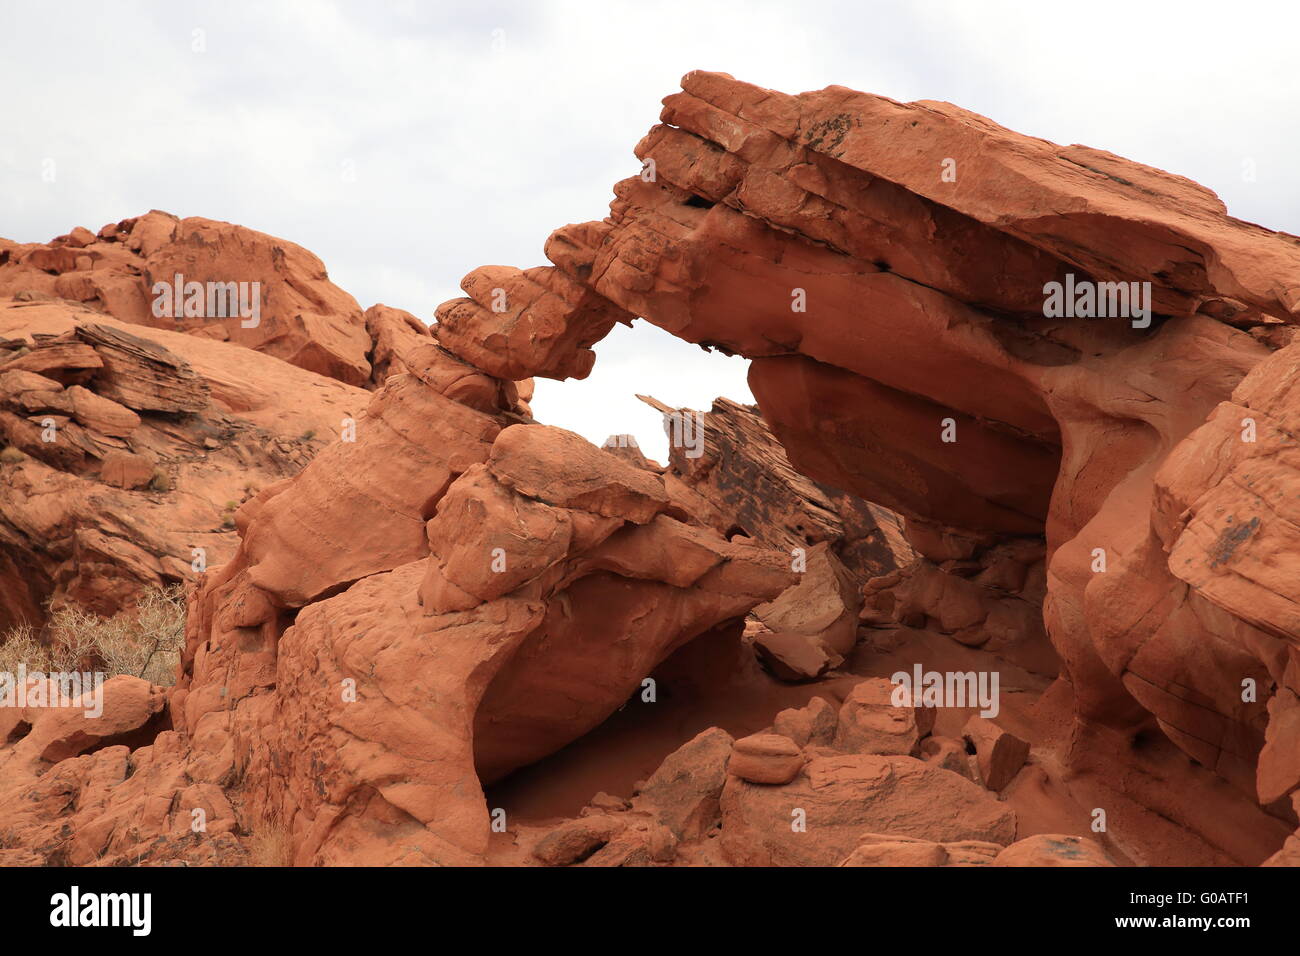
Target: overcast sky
<point x="406" y="143"/>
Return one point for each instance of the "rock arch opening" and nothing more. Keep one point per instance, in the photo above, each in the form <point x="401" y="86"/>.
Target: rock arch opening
<point x="948" y="388"/>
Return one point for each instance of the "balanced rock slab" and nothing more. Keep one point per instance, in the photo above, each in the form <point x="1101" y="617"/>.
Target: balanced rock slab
<point x="765" y="758"/>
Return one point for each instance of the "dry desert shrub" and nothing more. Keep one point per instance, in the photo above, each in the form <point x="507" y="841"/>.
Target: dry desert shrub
<point x="143" y="642"/>
<point x="270" y="844"/>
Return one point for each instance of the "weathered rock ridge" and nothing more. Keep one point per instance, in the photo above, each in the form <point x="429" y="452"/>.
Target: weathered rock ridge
<point x="884" y="266"/>
<point x="127" y="451"/>
<point x="302" y="317"/>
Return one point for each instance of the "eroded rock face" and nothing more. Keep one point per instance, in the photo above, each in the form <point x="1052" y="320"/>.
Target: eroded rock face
<point x="726" y="464"/>
<point x="515" y="325"/>
<point x="102" y="780"/>
<point x="980" y="591"/>
<point x="300" y="317"/>
<point x="684" y="793"/>
<point x="741" y="470"/>
<point x="393" y="333"/>
<point x="130" y="449"/>
<point x="902" y="351"/>
<point x="1225" y="510"/>
<point x="515" y="587"/>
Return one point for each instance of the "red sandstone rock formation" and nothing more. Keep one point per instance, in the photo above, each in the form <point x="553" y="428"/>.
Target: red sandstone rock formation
<point x="883" y="301"/>
<point x="130" y="449"/>
<point x="527" y="586"/>
<point x="738" y="475"/>
<point x="460" y="592"/>
<point x="303" y="318"/>
<point x="743" y="472"/>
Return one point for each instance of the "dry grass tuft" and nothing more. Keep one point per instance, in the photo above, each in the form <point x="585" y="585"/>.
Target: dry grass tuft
<point x="270" y="843"/>
<point x="143" y="642"/>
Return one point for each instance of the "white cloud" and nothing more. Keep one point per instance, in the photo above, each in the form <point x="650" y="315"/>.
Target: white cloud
<point x="642" y="360"/>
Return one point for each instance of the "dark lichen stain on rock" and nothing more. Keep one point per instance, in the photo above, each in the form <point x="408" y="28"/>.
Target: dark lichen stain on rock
<point x="1232" y="536"/>
<point x="837" y="127"/>
<point x="1065" y="850"/>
